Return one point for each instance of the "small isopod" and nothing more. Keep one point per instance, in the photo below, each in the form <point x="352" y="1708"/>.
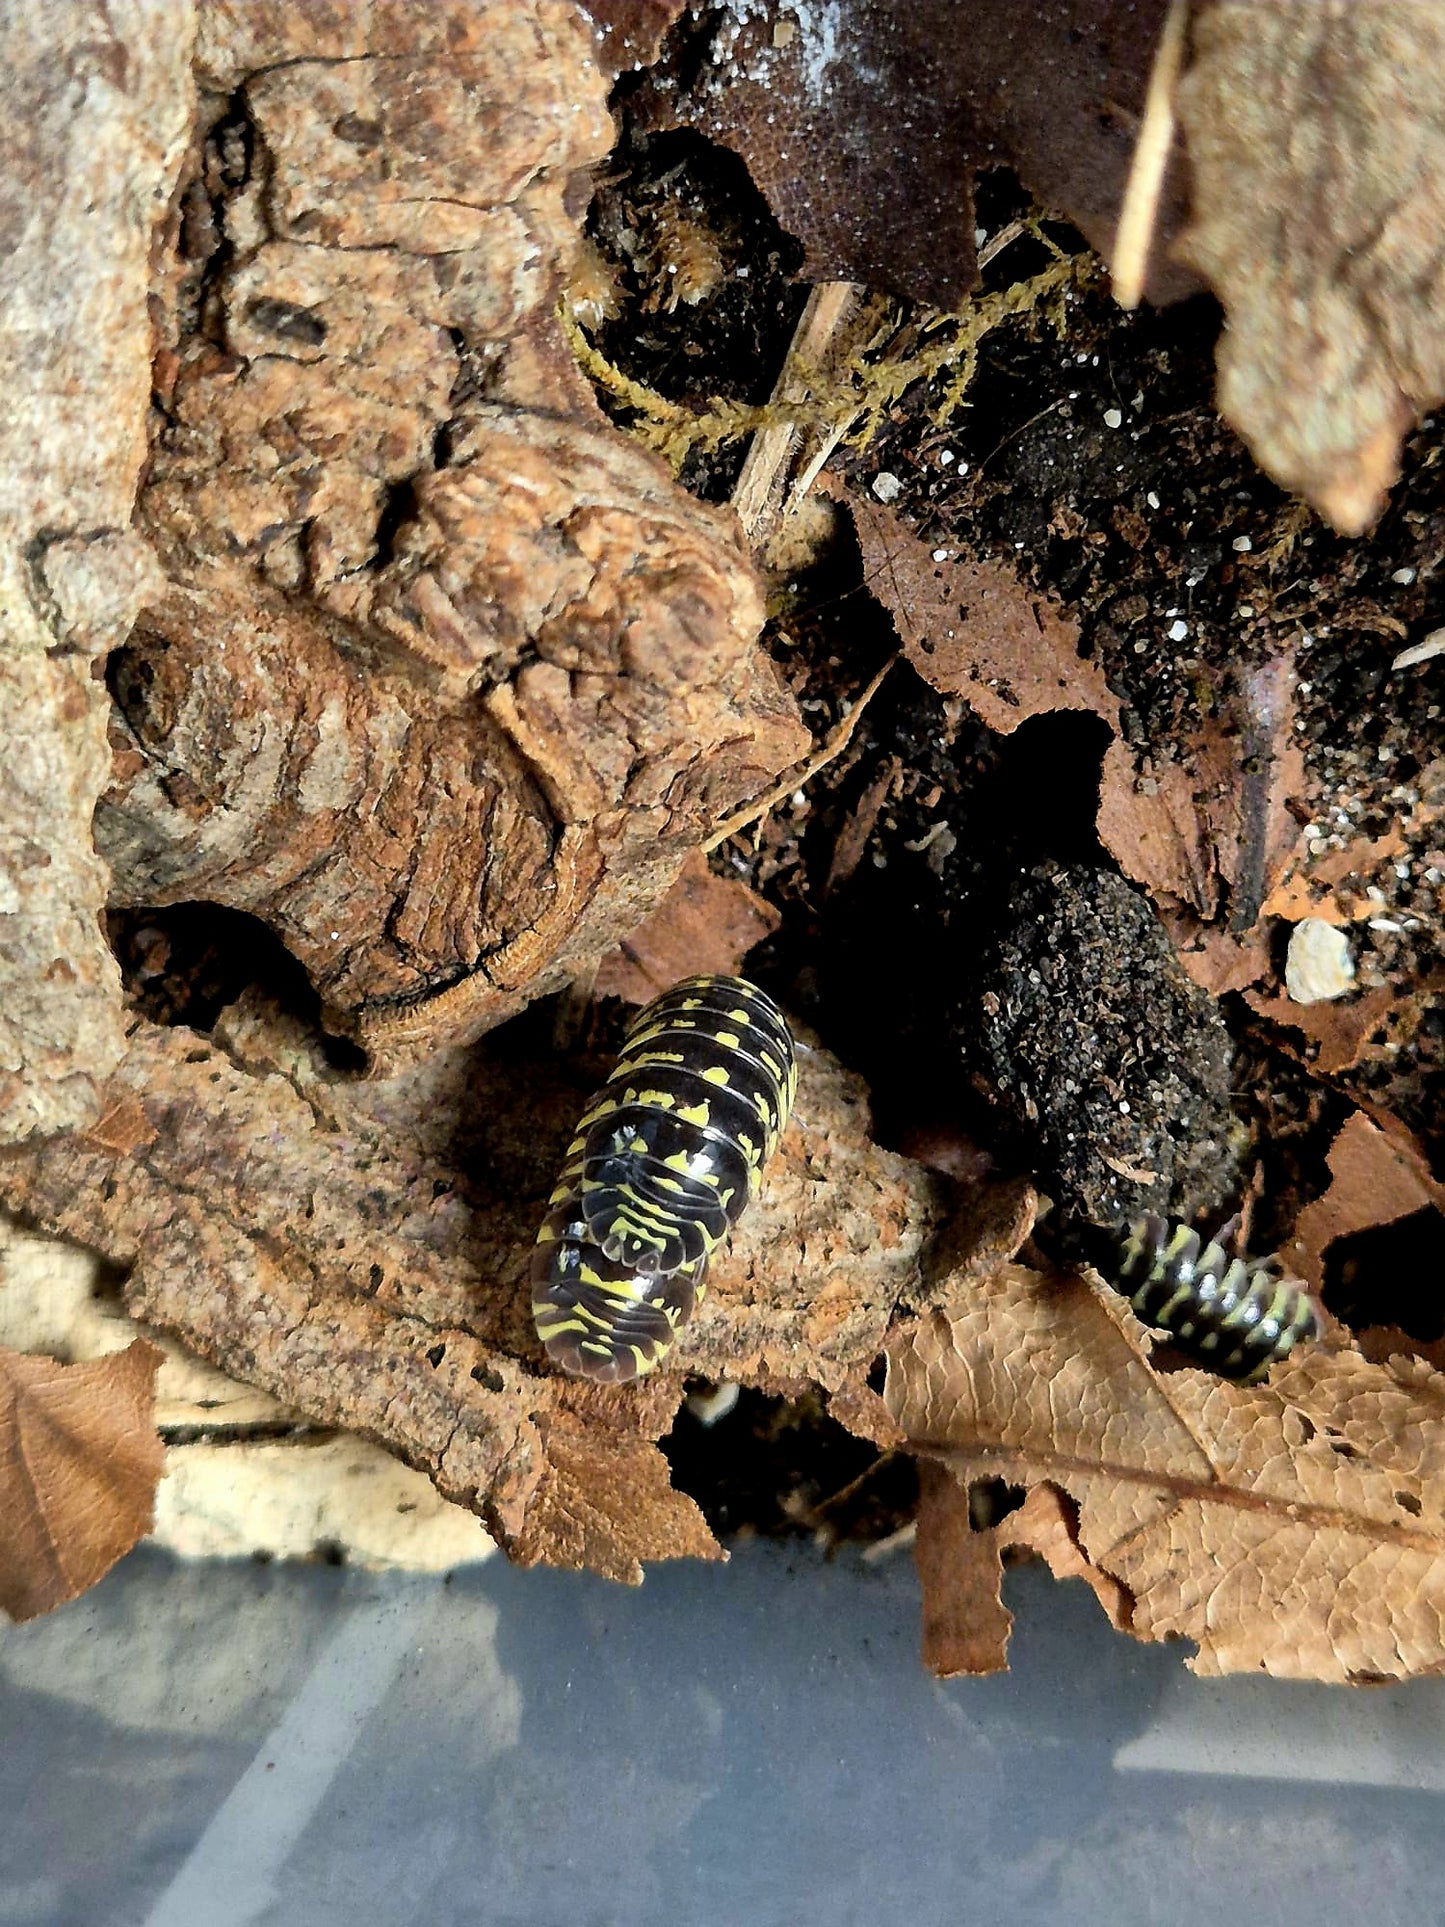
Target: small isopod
<point x="665" y="1160"/>
<point x="1235" y="1315"/>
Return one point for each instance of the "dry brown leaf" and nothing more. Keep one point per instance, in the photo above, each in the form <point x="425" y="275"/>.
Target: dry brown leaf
<point x="1215" y="958"/>
<point x="1312" y="888"/>
<point x="1378" y="1173"/>
<point x="1316" y="142"/>
<point x="1211" y="833"/>
<point x="1292" y="1527"/>
<point x="449" y="676"/>
<point x="973" y="630"/>
<point x="360" y="1250"/>
<point x="704" y="923"/>
<point x="1342" y="1030"/>
<point x="79" y="1461"/>
<point x="89" y="164"/>
<point x="1205" y="836"/>
<point x="630" y="32"/>
<point x="864" y="122"/>
<point x="966" y="1625"/>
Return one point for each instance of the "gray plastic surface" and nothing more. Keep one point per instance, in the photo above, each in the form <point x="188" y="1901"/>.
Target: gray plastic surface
<point x="238" y="1746"/>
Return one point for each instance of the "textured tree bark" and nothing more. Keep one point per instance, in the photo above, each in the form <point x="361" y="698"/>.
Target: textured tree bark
<point x="448" y="677"/>
<point x="94" y="117"/>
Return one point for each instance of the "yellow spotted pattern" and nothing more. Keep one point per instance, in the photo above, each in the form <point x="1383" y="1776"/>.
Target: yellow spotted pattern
<point x="663" y="1162"/>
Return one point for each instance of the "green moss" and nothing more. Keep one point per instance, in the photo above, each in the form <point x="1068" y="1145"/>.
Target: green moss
<point x="908" y="346"/>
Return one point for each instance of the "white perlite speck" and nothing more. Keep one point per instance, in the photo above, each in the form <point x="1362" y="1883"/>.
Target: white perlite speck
<point x="1319" y="966"/>
<point x="886" y="486"/>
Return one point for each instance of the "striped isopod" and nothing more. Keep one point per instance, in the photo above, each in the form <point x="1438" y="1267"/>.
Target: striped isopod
<point x="664" y="1161"/>
<point x="1236" y="1315"/>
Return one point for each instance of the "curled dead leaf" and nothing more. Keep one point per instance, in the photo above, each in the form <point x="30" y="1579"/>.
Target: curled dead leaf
<point x="79" y="1461"/>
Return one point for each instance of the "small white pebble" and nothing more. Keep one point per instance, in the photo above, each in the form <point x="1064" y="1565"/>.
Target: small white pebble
<point x="1152" y="499"/>
<point x="1318" y="966"/>
<point x="1241" y="545"/>
<point x="940" y="555"/>
<point x="1178" y="631"/>
<point x="1113" y="418"/>
<point x="1246" y="609"/>
<point x="1433" y="645"/>
<point x="945" y="456"/>
<point x="1403" y="576"/>
<point x="886" y="486"/>
<point x="708" y="1407"/>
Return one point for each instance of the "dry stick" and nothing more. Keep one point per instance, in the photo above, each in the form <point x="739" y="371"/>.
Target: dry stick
<point x="829" y="306"/>
<point x="1140" y="208"/>
<point x="833" y="745"/>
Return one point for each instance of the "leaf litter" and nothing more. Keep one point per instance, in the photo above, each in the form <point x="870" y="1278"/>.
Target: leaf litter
<point x="1121" y="585"/>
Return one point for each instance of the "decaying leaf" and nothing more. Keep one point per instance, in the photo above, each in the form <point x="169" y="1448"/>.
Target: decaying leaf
<point x="88" y="166"/>
<point x="704" y="923"/>
<point x="1291" y="1527"/>
<point x="1209" y="835"/>
<point x="1342" y="1033"/>
<point x="864" y="122"/>
<point x="1378" y="1173"/>
<point x="966" y="1625"/>
<point x="1316" y="141"/>
<point x="360" y="1249"/>
<point x="79" y="1461"/>
<point x="630" y="32"/>
<point x="973" y="630"/>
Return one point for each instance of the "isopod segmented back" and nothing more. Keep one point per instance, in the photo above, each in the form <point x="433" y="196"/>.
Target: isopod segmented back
<point x="1237" y="1316"/>
<point x="664" y="1161"/>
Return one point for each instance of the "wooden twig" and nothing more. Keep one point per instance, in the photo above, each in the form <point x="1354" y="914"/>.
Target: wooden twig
<point x="1140" y="209"/>
<point x="832" y="746"/>
<point x="760" y="485"/>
